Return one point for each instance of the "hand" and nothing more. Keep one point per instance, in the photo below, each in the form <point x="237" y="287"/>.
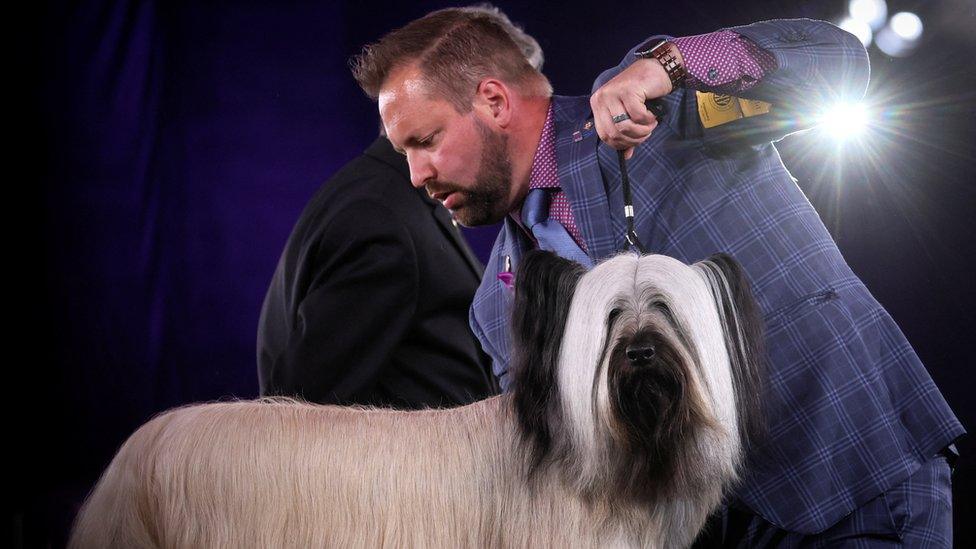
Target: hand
<point x="643" y="80"/>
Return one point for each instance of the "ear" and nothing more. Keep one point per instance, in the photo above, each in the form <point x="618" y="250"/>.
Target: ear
<point x="493" y="100"/>
<point x="544" y="286"/>
<point x="744" y="338"/>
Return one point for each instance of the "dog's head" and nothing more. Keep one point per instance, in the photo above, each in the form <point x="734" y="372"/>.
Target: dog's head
<point x="642" y="375"/>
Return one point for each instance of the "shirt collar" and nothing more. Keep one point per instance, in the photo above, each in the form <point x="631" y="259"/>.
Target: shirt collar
<point x="543" y="174"/>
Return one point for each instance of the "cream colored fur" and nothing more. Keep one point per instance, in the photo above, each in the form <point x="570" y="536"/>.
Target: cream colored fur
<point x="288" y="474"/>
<point x="281" y="473"/>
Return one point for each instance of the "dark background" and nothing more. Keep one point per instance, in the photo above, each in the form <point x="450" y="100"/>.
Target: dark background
<point x="163" y="150"/>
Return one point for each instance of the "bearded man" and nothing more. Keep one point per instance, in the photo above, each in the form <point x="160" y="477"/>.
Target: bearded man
<point x="856" y="429"/>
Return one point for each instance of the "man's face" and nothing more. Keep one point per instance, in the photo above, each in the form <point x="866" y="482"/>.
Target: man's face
<point x="459" y="158"/>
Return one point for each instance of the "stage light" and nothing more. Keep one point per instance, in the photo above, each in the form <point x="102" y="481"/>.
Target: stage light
<point x="860" y="29"/>
<point x="906" y="25"/>
<point x="870" y="12"/>
<point x="844" y="120"/>
<point x="901" y="35"/>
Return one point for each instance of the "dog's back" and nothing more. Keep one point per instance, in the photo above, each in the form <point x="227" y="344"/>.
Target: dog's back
<point x="117" y="512"/>
<point x="277" y="472"/>
<point x="169" y="479"/>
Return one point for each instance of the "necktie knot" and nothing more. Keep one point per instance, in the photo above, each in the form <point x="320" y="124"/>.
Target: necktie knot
<point x="535" y="209"/>
<point x="549" y="233"/>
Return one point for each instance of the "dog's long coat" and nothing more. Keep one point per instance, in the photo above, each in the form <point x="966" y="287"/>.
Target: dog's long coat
<point x="598" y="446"/>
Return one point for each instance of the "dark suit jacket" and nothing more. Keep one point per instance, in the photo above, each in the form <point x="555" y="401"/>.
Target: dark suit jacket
<point x="369" y="302"/>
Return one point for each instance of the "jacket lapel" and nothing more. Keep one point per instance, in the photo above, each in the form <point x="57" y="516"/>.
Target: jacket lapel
<point x="580" y="176"/>
<point x="586" y="167"/>
<point x="492" y="303"/>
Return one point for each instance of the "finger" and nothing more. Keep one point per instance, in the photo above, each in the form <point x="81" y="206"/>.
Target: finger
<point x="635" y="131"/>
<point x="628" y="153"/>
<point x="602" y="118"/>
<point x="637" y="110"/>
<point x="630" y="134"/>
<point x="619" y="135"/>
<point x="623" y="127"/>
<point x="622" y="142"/>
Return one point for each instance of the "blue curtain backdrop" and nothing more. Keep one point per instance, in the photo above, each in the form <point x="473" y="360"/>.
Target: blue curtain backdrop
<point x="170" y="146"/>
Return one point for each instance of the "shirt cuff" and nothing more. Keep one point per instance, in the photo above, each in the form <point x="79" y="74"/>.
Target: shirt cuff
<point x="723" y="62"/>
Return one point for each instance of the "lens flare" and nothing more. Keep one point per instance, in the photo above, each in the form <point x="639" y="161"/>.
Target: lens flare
<point x="869" y="12"/>
<point x="845" y="120"/>
<point x="860" y="29"/>
<point x="906" y="25"/>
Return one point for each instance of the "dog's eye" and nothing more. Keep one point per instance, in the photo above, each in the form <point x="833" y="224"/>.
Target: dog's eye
<point x="613" y="316"/>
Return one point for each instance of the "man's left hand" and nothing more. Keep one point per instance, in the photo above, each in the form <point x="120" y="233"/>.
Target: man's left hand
<point x="626" y="93"/>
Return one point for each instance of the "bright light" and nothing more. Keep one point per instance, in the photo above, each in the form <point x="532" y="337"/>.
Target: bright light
<point x="901" y="36"/>
<point x="845" y="120"/>
<point x="890" y="43"/>
<point x="907" y="25"/>
<point x="870" y="12"/>
<point x="860" y="29"/>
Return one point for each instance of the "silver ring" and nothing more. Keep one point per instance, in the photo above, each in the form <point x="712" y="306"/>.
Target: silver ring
<point x="620" y="118"/>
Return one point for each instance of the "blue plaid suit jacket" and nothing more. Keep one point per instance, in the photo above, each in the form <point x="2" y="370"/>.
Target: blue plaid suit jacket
<point x="851" y="409"/>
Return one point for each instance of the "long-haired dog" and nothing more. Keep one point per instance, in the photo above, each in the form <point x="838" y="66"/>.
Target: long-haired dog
<point x="636" y="389"/>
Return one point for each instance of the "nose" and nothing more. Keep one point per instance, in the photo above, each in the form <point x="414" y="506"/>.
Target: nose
<point x="640" y="353"/>
<point x="421" y="168"/>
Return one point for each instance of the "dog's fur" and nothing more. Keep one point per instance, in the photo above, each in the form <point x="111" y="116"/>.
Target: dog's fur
<point x="590" y="449"/>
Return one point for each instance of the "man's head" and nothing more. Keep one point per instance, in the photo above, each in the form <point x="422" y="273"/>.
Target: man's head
<point x="456" y="48"/>
<point x="447" y="86"/>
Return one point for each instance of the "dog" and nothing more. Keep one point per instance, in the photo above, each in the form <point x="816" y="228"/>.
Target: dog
<point x="636" y="396"/>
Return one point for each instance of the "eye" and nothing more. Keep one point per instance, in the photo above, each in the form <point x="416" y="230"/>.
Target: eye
<point x="613" y="315"/>
<point x="426" y="141"/>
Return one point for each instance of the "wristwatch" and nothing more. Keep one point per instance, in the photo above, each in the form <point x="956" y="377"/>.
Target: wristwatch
<point x="661" y="50"/>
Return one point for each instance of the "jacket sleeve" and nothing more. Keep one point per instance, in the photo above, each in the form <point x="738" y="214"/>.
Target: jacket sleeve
<point x="358" y="307"/>
<point x="817" y="64"/>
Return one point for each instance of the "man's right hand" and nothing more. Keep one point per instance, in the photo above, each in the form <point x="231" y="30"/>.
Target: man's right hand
<point x="626" y="93"/>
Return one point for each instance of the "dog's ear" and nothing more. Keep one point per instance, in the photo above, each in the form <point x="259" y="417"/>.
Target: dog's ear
<point x="743" y="328"/>
<point x="544" y="286"/>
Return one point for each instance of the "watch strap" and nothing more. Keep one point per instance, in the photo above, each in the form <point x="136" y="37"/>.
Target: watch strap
<point x="662" y="51"/>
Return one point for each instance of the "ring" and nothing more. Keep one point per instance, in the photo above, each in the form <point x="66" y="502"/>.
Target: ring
<point x="620" y="118"/>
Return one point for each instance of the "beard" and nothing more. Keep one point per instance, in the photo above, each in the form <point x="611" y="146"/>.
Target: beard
<point x="486" y="201"/>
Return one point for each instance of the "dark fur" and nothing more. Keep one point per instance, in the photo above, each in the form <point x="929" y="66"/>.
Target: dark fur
<point x="544" y="286"/>
<point x="748" y="377"/>
<point x="656" y="416"/>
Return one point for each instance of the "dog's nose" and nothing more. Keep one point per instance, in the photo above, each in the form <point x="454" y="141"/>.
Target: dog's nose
<point x="640" y="354"/>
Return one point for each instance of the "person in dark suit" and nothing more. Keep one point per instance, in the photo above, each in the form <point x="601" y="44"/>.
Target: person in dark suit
<point x="369" y="301"/>
<point x="858" y="434"/>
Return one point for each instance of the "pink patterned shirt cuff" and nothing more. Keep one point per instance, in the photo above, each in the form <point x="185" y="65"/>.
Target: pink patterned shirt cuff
<point x="723" y="61"/>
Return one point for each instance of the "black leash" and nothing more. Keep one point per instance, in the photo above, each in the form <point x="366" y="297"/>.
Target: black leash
<point x="631" y="234"/>
<point x="657" y="108"/>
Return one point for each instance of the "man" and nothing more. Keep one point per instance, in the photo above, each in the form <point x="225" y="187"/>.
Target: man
<point x="856" y="426"/>
<point x="369" y="301"/>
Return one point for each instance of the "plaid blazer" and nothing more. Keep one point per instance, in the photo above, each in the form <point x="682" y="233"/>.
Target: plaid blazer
<point x="851" y="409"/>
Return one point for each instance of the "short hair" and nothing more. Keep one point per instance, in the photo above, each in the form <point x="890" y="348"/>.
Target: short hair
<point x="455" y="49"/>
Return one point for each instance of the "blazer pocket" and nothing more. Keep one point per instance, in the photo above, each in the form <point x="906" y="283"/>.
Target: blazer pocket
<point x="882" y="518"/>
<point x="799" y="308"/>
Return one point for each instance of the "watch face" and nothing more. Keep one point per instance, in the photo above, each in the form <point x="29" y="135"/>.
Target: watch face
<point x="647" y="48"/>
